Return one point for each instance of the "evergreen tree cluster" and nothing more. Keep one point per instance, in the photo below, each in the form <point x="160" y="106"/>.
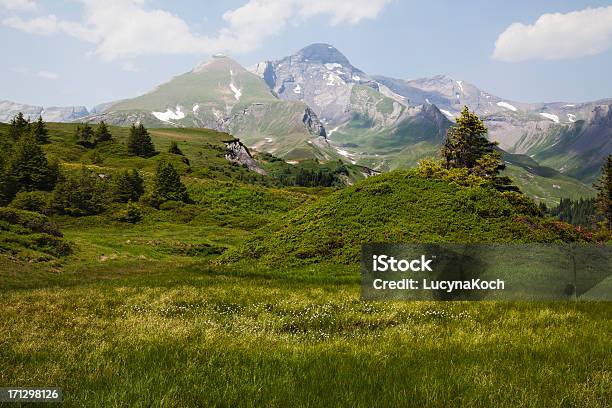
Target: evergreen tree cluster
<point x="23" y="163"/>
<point x="86" y="136"/>
<point x="578" y="212"/>
<point x="29" y="181"/>
<point x="139" y="142"/>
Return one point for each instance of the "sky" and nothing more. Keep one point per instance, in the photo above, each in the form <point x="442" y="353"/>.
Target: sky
<point x="86" y="52"/>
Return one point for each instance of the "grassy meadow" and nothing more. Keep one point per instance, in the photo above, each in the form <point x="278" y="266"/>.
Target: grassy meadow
<point x="193" y="307"/>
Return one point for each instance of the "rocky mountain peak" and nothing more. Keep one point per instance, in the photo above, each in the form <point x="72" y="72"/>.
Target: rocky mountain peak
<point x="322" y="54"/>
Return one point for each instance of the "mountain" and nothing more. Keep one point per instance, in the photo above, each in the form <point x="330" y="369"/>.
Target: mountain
<point x="220" y="94"/>
<point x="524" y="128"/>
<point x="365" y="119"/>
<point x="9" y="109"/>
<point x="579" y="149"/>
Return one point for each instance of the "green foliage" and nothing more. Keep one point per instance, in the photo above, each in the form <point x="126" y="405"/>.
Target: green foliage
<point x="168" y="185"/>
<point x="398" y="207"/>
<point x="174" y="149"/>
<point x="29" y="235"/>
<point x="604" y="193"/>
<point x="26" y="169"/>
<point x="102" y="134"/>
<point x="578" y="212"/>
<point x="466" y="144"/>
<point x="84" y="135"/>
<point x="139" y="142"/>
<point x="36" y="201"/>
<point x="128" y="186"/>
<point x="84" y="193"/>
<point x="40" y="132"/>
<point x="132" y="213"/>
<point x="18" y="126"/>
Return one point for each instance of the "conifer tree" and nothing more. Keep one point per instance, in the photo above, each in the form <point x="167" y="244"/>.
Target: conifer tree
<point x="84" y="135"/>
<point x="139" y="142"/>
<point x="603" y="201"/>
<point x="18" y="126"/>
<point x="102" y="134"/>
<point x="466" y="146"/>
<point x="27" y="168"/>
<point x="466" y="143"/>
<point x="80" y="194"/>
<point x="39" y="130"/>
<point x="168" y="185"/>
<point x="128" y="186"/>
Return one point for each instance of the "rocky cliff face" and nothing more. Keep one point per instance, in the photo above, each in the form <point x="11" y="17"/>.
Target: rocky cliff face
<point x="319" y="75"/>
<point x="239" y="153"/>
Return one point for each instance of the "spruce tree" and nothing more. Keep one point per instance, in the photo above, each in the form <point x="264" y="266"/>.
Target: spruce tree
<point x="604" y="193"/>
<point x="139" y="142"/>
<point x="39" y="130"/>
<point x="102" y="134"/>
<point x="18" y="126"/>
<point x="168" y="185"/>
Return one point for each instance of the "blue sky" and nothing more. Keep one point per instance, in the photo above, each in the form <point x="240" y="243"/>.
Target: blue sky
<point x="84" y="52"/>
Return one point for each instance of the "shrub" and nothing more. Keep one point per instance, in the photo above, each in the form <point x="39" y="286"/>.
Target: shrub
<point x="36" y="201"/>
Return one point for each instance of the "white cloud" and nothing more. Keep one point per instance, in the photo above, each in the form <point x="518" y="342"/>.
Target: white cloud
<point x="127" y="28"/>
<point x="130" y="67"/>
<point x="351" y="12"/>
<point x="557" y="36"/>
<point x="48" y="75"/>
<point x="18" y="5"/>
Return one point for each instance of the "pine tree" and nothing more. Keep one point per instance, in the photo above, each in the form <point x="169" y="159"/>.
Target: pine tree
<point x="168" y="185"/>
<point x="84" y="135"/>
<point x="27" y="168"/>
<point x="604" y="193"/>
<point x="128" y="186"/>
<point x="40" y="132"/>
<point x="139" y="142"/>
<point x="102" y="134"/>
<point x="18" y="126"/>
<point x="174" y="149"/>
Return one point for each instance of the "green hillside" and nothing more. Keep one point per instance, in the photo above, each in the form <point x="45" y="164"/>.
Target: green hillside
<point x="398" y="206"/>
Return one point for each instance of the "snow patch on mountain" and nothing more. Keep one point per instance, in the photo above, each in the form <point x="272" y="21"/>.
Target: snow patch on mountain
<point x="460" y="83"/>
<point x="447" y="113"/>
<point x="169" y="114"/>
<point x="550" y="116"/>
<point x="195" y="108"/>
<point x="507" y="106"/>
<point x="333" y="65"/>
<point x="297" y="89"/>
<point x="237" y="92"/>
<point x="571" y="117"/>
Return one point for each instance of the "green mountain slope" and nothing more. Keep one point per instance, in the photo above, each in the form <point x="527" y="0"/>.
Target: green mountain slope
<point x="222" y="95"/>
